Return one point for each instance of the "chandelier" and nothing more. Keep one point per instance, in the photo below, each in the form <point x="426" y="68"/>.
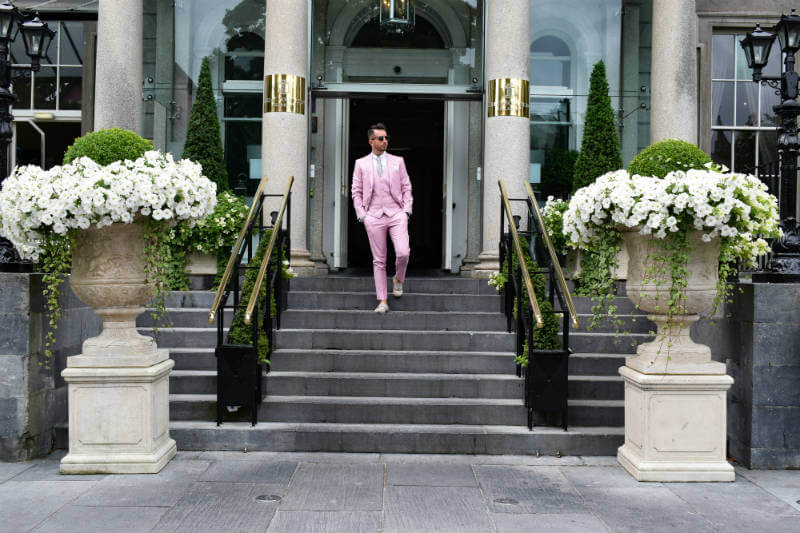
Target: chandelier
<point x="396" y="16"/>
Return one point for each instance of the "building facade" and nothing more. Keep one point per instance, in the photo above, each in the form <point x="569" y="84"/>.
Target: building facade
<point x="674" y="67"/>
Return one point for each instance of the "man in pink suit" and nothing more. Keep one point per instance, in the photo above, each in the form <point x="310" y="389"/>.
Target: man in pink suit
<point x="382" y="198"/>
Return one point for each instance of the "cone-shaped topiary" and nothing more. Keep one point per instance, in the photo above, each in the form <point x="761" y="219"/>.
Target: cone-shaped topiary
<point x="663" y="157"/>
<point x="107" y="146"/>
<point x="600" y="149"/>
<point x="203" y="140"/>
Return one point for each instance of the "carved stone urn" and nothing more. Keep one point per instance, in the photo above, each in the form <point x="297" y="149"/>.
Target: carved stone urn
<point x="119" y="385"/>
<point x="675" y="395"/>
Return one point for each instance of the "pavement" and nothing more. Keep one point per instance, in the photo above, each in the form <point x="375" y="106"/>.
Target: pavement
<point x="352" y="493"/>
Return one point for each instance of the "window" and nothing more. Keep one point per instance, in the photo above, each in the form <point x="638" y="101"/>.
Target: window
<point x="59" y="83"/>
<point x="743" y="124"/>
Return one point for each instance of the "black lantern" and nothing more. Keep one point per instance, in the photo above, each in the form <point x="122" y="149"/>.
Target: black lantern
<point x="784" y="266"/>
<point x="756" y="47"/>
<point x="37" y="37"/>
<point x="788" y="30"/>
<point x="8" y="14"/>
<point x="396" y="16"/>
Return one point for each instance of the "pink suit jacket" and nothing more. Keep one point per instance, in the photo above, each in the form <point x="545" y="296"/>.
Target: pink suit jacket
<point x="364" y="176"/>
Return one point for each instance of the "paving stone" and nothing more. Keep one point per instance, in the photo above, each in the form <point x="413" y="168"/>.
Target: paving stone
<point x="644" y="508"/>
<point x="325" y="522"/>
<point x="135" y="491"/>
<point x="334" y="487"/>
<point x="772" y="478"/>
<point x="272" y="472"/>
<point x="102" y="519"/>
<point x="600" y="460"/>
<point x="9" y="470"/>
<point x="48" y="470"/>
<point x="228" y="507"/>
<point x="599" y="477"/>
<point x="526" y="489"/>
<point x="420" y="509"/>
<point x="548" y="523"/>
<point x="514" y="460"/>
<point x="298" y="457"/>
<point x="738" y="506"/>
<point x="430" y="474"/>
<point x="26" y="504"/>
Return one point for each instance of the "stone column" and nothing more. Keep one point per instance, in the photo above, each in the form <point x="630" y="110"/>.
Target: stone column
<point x="673" y="105"/>
<point x="507" y="138"/>
<point x="118" y="85"/>
<point x="284" y="134"/>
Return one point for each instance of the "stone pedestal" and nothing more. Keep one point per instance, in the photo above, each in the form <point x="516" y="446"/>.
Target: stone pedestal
<point x="118" y="416"/>
<point x="675" y="427"/>
<point x="199" y="263"/>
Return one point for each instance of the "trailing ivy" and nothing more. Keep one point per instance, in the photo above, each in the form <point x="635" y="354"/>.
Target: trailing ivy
<point x="544" y="338"/>
<point x="55" y="262"/>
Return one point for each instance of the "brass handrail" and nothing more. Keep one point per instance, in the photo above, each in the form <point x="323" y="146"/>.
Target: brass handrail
<point x="212" y="313"/>
<point x="525" y="275"/>
<point x="251" y="304"/>
<point x="554" y="258"/>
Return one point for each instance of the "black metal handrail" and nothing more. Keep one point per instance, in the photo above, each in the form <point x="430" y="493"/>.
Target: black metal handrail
<point x="545" y="375"/>
<point x="239" y="369"/>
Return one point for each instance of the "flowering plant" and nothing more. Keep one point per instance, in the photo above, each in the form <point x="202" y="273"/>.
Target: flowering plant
<point x="553" y="216"/>
<point x="734" y="207"/>
<point x="40" y="211"/>
<point x="37" y="205"/>
<point x="220" y="228"/>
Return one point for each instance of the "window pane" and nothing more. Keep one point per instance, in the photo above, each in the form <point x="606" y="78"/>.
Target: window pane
<point x="550" y="72"/>
<point x="243" y="105"/>
<point x="550" y="110"/>
<point x="722" y="103"/>
<point x="44" y="88"/>
<point x="744" y="151"/>
<point x="238" y="137"/>
<point x="721" y="147"/>
<point x="746" y="103"/>
<point x="72" y="43"/>
<point x="244" y="67"/>
<point x="768" y="169"/>
<point x="16" y="49"/>
<point x="743" y="72"/>
<point x="71" y="88"/>
<point x="546" y="137"/>
<point x="722" y="56"/>
<point x="773" y="67"/>
<point x="768" y="100"/>
<point x="22" y="88"/>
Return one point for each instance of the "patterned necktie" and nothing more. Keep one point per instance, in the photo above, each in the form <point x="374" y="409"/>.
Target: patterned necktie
<point x="380" y="167"/>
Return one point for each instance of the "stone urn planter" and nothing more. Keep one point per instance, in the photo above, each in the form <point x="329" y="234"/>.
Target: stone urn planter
<point x="572" y="265"/>
<point x="675" y="395"/>
<point x="118" y="386"/>
<point x="199" y="263"/>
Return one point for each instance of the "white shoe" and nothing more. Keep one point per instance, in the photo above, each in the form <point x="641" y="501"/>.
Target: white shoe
<point x="382" y="308"/>
<point x="397" y="289"/>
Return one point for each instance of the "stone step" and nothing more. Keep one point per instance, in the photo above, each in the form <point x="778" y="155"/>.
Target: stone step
<point x="408" y="320"/>
<point x="341" y="339"/>
<point x="584" y="304"/>
<point x="363" y="384"/>
<point x="601" y="364"/>
<point x="607" y="342"/>
<point x="396" y="438"/>
<point x="193" y="358"/>
<point x="195" y="299"/>
<point x="185" y="337"/>
<point x="442" y="285"/>
<point x="183" y="317"/>
<point x="620" y="324"/>
<point x="596" y="388"/>
<point x="377" y="410"/>
<point x="423" y="361"/>
<point x="409" y="301"/>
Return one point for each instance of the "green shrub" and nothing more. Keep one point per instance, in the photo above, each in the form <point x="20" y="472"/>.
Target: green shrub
<point x="663" y="157"/>
<point x="203" y="140"/>
<point x="558" y="169"/>
<point x="600" y="148"/>
<point x="107" y="146"/>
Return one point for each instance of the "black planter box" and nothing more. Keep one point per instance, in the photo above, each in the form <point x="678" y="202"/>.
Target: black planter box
<point x="238" y="379"/>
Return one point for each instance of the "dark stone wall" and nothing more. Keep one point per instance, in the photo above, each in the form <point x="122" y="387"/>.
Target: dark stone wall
<point x="33" y="397"/>
<point x="758" y="336"/>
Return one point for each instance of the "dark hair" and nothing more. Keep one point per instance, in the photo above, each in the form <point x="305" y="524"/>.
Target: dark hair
<point x="371" y="130"/>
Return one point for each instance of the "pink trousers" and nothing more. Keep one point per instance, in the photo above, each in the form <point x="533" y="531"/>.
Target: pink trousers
<point x="397" y="227"/>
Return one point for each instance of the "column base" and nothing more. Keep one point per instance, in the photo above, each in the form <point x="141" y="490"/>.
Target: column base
<point x="675" y="427"/>
<point x="488" y="264"/>
<point x="118" y="417"/>
<point x="303" y="266"/>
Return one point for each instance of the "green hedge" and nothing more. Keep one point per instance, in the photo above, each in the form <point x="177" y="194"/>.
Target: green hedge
<point x="663" y="157"/>
<point x="107" y="146"/>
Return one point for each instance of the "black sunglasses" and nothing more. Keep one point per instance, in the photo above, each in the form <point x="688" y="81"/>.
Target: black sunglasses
<point x="381" y="138"/>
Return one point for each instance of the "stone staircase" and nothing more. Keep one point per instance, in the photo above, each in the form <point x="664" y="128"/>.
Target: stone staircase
<point x="434" y="375"/>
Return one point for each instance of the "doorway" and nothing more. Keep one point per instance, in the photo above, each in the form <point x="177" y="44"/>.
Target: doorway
<point x="416" y="128"/>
